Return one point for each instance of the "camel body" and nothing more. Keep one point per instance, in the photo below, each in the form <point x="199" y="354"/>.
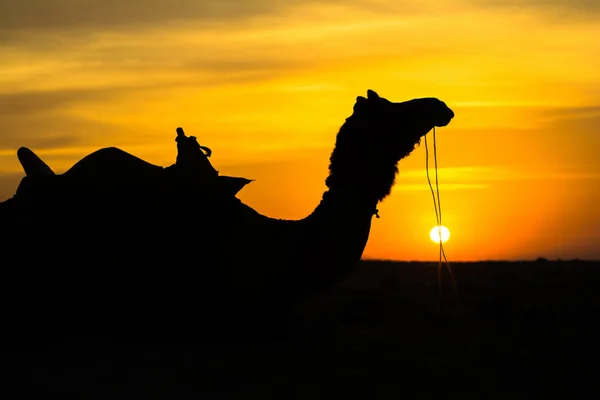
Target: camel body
<point x="141" y="242"/>
<point x="146" y="245"/>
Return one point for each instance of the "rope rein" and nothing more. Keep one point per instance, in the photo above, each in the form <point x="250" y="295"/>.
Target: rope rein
<point x="438" y="215"/>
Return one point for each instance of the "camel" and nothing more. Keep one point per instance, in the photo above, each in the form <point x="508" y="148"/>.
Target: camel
<point x="140" y="239"/>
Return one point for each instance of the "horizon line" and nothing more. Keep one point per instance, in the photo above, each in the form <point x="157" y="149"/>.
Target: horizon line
<point x="529" y="260"/>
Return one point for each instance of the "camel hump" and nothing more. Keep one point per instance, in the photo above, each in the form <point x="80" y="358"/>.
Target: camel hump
<point x="32" y="164"/>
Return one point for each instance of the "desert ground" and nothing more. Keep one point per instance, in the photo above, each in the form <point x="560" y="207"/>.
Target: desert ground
<point x="519" y="329"/>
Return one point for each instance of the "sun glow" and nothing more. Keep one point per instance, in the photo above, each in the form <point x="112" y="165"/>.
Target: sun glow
<point x="436" y="232"/>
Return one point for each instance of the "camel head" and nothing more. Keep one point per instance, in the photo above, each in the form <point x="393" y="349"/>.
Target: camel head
<point x="394" y="129"/>
<point x="377" y="135"/>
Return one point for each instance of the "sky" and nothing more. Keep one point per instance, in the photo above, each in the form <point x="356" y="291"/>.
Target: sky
<point x="266" y="84"/>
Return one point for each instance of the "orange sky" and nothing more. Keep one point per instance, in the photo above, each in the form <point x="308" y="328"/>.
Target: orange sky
<point x="267" y="83"/>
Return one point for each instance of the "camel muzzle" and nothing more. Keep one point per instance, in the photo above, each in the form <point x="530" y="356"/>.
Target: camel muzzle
<point x="444" y="120"/>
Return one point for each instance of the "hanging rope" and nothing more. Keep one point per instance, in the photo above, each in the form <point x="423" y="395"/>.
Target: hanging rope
<point x="438" y="215"/>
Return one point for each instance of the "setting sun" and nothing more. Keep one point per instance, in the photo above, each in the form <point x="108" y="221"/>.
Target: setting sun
<point x="435" y="233"/>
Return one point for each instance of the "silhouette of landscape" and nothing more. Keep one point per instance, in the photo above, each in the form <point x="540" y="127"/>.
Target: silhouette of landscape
<point x="523" y="328"/>
<point x="130" y="279"/>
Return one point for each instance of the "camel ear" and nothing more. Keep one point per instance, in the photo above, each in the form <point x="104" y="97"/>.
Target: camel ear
<point x="360" y="102"/>
<point x="371" y="95"/>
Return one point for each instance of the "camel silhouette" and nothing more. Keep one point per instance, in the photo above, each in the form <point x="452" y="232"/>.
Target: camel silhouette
<point x="116" y="235"/>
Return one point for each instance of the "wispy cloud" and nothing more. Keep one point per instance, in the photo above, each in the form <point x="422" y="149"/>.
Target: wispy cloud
<point x="569" y="120"/>
<point x="19" y="17"/>
<point x="42" y="119"/>
<point x="31" y="103"/>
<point x="560" y="10"/>
<point x="70" y="14"/>
<point x="65" y="15"/>
<point x="482" y="177"/>
<point x="413" y="187"/>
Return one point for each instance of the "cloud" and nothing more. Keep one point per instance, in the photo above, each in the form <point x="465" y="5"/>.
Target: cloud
<point x="50" y="132"/>
<point x="40" y="119"/>
<point x="66" y="15"/>
<point x="47" y="118"/>
<point x="412" y="187"/>
<point x="575" y="124"/>
<point x="560" y="10"/>
<point x="481" y="176"/>
<point x="32" y="103"/>
<point x="569" y="118"/>
<point x="100" y="14"/>
<point x="573" y="112"/>
<point x="57" y="22"/>
<point x="18" y="16"/>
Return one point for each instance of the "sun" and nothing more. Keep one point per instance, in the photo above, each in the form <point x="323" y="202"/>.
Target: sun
<point x="434" y="234"/>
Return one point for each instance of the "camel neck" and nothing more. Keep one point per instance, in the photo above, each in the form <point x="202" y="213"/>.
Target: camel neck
<point x="342" y="222"/>
<point x="348" y="204"/>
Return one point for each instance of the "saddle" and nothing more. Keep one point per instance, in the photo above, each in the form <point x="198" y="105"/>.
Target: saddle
<point x="192" y="169"/>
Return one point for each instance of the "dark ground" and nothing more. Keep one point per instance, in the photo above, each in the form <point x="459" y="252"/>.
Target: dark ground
<point x="523" y="330"/>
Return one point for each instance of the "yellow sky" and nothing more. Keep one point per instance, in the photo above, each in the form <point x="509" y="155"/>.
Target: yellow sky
<point x="267" y="84"/>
